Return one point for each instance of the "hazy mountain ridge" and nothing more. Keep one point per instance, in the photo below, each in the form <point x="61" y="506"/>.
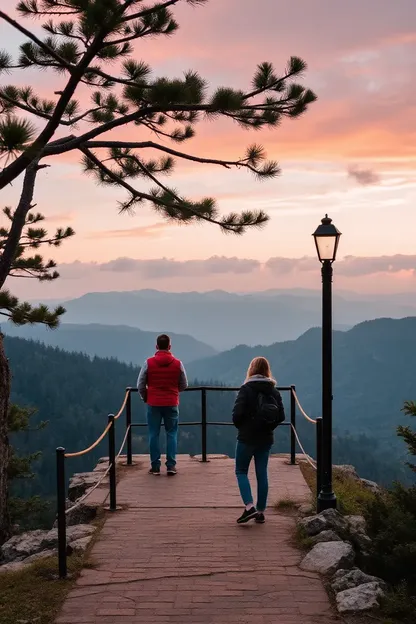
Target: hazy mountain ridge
<point x="127" y="344"/>
<point x="223" y="319"/>
<point x="373" y="373"/>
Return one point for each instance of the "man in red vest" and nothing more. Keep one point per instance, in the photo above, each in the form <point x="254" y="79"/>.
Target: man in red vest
<point x="161" y="379"/>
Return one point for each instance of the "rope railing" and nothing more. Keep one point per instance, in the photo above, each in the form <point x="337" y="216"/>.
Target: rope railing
<point x="307" y="457"/>
<point x="100" y="480"/>
<point x="90" y="448"/>
<point x="302" y="411"/>
<point x="88" y="492"/>
<point x="127" y="439"/>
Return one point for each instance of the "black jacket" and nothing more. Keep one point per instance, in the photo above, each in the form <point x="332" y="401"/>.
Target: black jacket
<point x="244" y="409"/>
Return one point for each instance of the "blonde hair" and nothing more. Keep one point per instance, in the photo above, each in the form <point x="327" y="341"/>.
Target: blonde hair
<point x="259" y="366"/>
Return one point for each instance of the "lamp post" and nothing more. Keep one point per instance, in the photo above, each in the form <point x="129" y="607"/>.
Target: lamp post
<point x="326" y="240"/>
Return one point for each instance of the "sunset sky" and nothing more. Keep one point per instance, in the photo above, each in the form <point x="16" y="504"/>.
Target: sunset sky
<point x="352" y="155"/>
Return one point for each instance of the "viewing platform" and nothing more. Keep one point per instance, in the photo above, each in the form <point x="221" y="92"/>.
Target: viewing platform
<point x="173" y="552"/>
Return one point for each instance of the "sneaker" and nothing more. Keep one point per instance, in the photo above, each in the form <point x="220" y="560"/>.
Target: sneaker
<point x="171" y="472"/>
<point x="155" y="471"/>
<point x="247" y="515"/>
<point x="260" y="519"/>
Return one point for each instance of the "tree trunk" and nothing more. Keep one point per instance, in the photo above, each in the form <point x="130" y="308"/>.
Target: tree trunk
<point x="4" y="443"/>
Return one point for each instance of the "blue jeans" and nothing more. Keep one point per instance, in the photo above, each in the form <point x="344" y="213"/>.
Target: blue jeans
<point x="170" y="417"/>
<point x="243" y="456"/>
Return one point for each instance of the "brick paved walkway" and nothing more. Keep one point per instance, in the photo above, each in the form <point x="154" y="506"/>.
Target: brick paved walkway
<point x="176" y="555"/>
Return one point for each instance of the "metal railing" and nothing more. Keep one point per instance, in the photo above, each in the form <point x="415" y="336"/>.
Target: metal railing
<point x="204" y="423"/>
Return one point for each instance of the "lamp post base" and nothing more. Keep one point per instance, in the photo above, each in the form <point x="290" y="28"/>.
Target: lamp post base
<point x="326" y="501"/>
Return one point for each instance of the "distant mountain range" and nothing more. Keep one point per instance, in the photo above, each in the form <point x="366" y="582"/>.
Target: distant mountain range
<point x="126" y="344"/>
<point x="223" y="320"/>
<point x="373" y="372"/>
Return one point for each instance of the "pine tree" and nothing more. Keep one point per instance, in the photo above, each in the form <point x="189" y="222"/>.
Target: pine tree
<point x="90" y="45"/>
<point x="27" y="263"/>
<point x="408" y="435"/>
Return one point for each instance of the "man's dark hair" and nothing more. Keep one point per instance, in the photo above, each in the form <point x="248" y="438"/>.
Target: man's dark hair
<point x="163" y="342"/>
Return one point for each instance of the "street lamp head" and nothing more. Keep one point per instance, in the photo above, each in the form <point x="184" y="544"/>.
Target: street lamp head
<point x="326" y="238"/>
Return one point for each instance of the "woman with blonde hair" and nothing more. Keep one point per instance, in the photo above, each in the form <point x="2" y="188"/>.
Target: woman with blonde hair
<point x="257" y="411"/>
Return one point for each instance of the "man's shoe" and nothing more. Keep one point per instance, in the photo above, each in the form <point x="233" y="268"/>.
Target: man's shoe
<point x="260" y="519"/>
<point x="155" y="471"/>
<point x="247" y="515"/>
<point x="171" y="472"/>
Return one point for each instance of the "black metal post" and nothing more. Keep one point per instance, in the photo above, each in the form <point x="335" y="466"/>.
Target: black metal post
<point x="204" y="423"/>
<point x="318" y="457"/>
<point x="128" y="427"/>
<point x="60" y="482"/>
<point x="293" y="425"/>
<point x="326" y="497"/>
<point x="112" y="462"/>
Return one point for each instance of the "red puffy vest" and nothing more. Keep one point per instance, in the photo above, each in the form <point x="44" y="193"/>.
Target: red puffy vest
<point x="163" y="372"/>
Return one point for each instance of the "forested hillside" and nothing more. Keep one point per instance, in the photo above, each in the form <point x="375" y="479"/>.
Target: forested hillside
<point x="127" y="344"/>
<point x="374" y="366"/>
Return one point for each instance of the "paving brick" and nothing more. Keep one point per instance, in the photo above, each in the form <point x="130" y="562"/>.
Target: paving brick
<point x="175" y="554"/>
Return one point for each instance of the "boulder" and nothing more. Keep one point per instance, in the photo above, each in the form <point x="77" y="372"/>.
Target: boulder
<point x="22" y="546"/>
<point x="83" y="514"/>
<point x="359" y="599"/>
<point x="44" y="554"/>
<point x="328" y="557"/>
<point x="347" y="471"/>
<point x="356" y="531"/>
<point x="12" y="567"/>
<point x="328" y="519"/>
<point x="356" y="523"/>
<point x="313" y="525"/>
<point x="306" y="509"/>
<point x="326" y="536"/>
<point x="79" y="546"/>
<point x="347" y="579"/>
<point x="79" y="483"/>
<point x="371" y="485"/>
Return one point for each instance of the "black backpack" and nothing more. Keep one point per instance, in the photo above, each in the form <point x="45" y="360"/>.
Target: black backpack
<point x="268" y="414"/>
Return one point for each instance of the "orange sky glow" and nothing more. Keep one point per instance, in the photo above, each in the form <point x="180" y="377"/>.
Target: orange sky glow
<point x="353" y="155"/>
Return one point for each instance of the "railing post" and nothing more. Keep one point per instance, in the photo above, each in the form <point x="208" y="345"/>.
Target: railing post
<point x="293" y="426"/>
<point x="61" y="497"/>
<point x="128" y="427"/>
<point x="204" y="423"/>
<point x="318" y="456"/>
<point x="112" y="462"/>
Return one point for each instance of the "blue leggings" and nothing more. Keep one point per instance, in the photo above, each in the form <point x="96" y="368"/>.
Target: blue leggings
<point x="243" y="456"/>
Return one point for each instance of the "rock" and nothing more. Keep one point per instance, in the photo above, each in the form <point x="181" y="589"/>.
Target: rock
<point x="12" y="567"/>
<point x="347" y="579"/>
<point x="328" y="557"/>
<point x="372" y="486"/>
<point x="356" y="529"/>
<point x="80" y="545"/>
<point x="356" y="523"/>
<point x="358" y="599"/>
<point x="328" y="519"/>
<point x="306" y="509"/>
<point x="313" y="524"/>
<point x="326" y="536"/>
<point x="347" y="471"/>
<point x="44" y="554"/>
<point x="80" y="483"/>
<point x="83" y="514"/>
<point x="22" y="546"/>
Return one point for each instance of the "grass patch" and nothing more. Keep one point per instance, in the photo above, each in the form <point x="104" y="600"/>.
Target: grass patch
<point x="35" y="594"/>
<point x="301" y="540"/>
<point x="285" y="504"/>
<point x="352" y="497"/>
